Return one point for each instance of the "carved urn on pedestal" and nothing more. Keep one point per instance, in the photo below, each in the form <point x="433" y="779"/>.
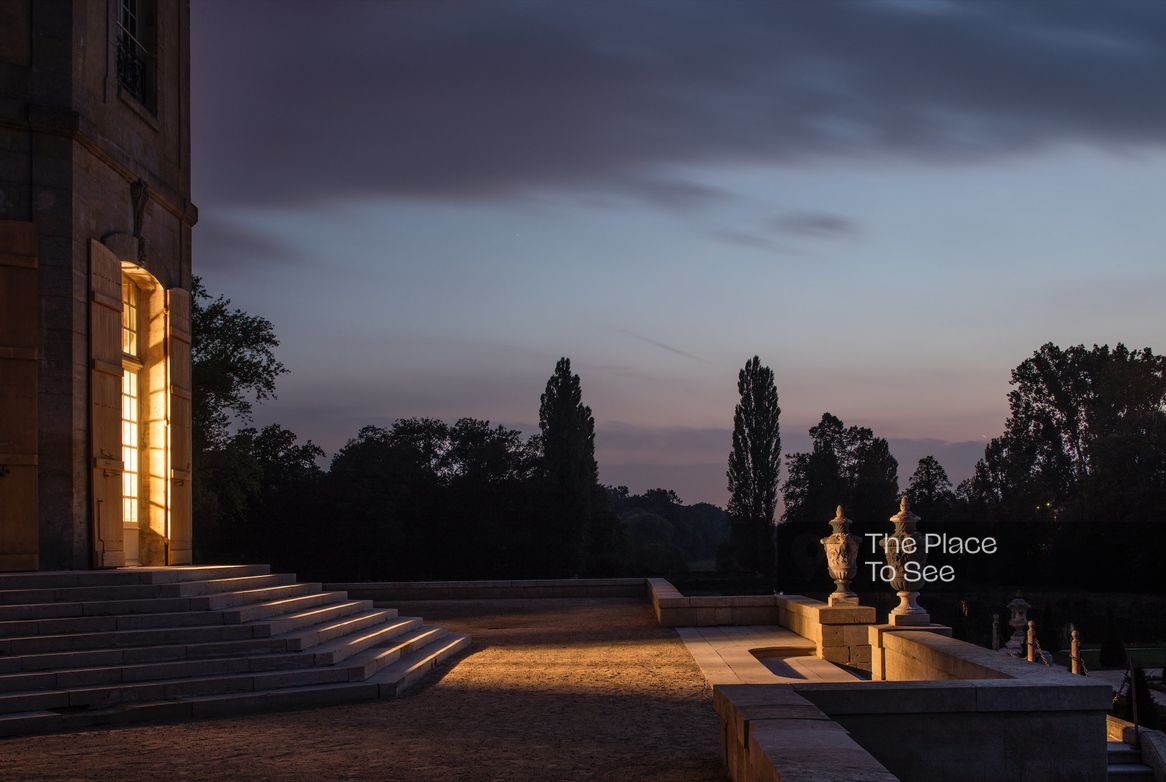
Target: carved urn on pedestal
<point x="841" y="559"/>
<point x="904" y="546"/>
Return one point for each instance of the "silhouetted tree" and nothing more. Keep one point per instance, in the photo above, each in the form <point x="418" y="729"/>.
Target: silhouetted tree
<point x="754" y="463"/>
<point x="1084" y="446"/>
<point x="568" y="442"/>
<point x="846" y="466"/>
<point x="232" y="356"/>
<point x="233" y="364"/>
<point x="929" y="490"/>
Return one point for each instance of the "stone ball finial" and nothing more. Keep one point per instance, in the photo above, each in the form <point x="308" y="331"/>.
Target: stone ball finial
<point x="838" y="512"/>
<point x="903" y="504"/>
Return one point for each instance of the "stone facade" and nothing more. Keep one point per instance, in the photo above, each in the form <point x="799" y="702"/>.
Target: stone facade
<point x="94" y="166"/>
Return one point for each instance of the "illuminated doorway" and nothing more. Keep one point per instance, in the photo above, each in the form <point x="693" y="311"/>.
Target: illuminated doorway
<point x="140" y="399"/>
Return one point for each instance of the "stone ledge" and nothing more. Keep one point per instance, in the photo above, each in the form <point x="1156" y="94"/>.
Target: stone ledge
<point x="770" y="733"/>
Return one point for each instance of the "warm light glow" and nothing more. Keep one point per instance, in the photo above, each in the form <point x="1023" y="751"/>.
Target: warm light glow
<point x="131" y="399"/>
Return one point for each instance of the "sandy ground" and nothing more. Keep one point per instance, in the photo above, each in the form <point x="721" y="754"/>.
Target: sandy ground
<point x="551" y="690"/>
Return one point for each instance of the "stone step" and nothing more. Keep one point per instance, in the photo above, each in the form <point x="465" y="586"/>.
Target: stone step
<point x="1119" y="752"/>
<point x="286" y="605"/>
<point x="217" y="586"/>
<point x="154" y="605"/>
<point x="118" y="639"/>
<point x="403" y="674"/>
<point x="299" y="640"/>
<point x="341" y="649"/>
<point x="311" y="616"/>
<point x="83" y="649"/>
<point x="372" y="660"/>
<point x="60" y="579"/>
<point x="182" y="669"/>
<point x="224" y="682"/>
<point x="326" y="654"/>
<point x="391" y="681"/>
<point x="249" y="596"/>
<point x="1130" y="772"/>
<point x="92" y="650"/>
<point x="100" y="658"/>
<point x="111" y="622"/>
<point x="113" y="592"/>
<point x="104" y="696"/>
<point x="38" y="611"/>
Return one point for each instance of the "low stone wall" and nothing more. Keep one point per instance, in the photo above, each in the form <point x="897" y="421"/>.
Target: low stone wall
<point x="969" y="731"/>
<point x="389" y="591"/>
<point x="931" y="654"/>
<point x="976" y="715"/>
<point x="673" y="609"/>
<point x="769" y="732"/>
<point x="840" y="632"/>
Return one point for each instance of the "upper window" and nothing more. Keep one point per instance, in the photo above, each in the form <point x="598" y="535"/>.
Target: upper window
<point x="129" y="318"/>
<point x="136" y="42"/>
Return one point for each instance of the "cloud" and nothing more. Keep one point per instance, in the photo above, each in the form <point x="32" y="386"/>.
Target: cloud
<point x="656" y="343"/>
<point x="227" y="245"/>
<point x="816" y="225"/>
<point x="673" y="193"/>
<point x="444" y="100"/>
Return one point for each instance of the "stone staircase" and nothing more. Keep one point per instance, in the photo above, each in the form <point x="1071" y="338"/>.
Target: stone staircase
<point x="92" y="648"/>
<point x="1125" y="764"/>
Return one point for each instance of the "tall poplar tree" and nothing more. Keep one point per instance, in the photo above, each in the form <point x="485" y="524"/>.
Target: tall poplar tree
<point x="754" y="463"/>
<point x="568" y="441"/>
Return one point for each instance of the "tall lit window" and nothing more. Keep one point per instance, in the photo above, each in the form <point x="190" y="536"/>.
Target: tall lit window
<point x="131" y="403"/>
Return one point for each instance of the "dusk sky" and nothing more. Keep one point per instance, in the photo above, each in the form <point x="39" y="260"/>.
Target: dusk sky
<point x="892" y="203"/>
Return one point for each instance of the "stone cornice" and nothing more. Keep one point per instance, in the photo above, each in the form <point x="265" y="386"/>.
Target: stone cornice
<point x="69" y="124"/>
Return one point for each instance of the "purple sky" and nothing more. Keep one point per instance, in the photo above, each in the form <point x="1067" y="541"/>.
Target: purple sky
<point x="891" y="203"/>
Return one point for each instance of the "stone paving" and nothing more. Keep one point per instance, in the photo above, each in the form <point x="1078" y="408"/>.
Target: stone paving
<point x="551" y="690"/>
<point x="726" y="656"/>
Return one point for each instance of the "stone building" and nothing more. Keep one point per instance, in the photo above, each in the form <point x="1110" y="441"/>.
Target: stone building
<point x="95" y="280"/>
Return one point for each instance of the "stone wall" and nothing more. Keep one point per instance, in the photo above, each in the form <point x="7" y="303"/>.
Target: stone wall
<point x="387" y="591"/>
<point x="770" y="732"/>
<point x="840" y="632"/>
<point x="71" y="144"/>
<point x="673" y="609"/>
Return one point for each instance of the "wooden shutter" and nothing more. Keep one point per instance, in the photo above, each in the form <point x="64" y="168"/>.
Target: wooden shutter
<point x="19" y="339"/>
<point x="181" y="387"/>
<point x="105" y="373"/>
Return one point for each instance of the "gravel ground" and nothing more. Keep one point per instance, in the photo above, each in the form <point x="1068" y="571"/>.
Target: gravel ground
<point x="551" y="690"/>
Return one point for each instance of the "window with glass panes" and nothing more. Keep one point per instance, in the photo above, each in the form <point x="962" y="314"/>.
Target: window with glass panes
<point x="131" y="403"/>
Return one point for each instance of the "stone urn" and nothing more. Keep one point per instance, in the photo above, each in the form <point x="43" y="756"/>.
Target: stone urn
<point x="1018" y="621"/>
<point x="904" y="546"/>
<point x="841" y="559"/>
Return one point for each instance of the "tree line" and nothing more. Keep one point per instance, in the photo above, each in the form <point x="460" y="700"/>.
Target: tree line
<point x="421" y="499"/>
<point x="1075" y="487"/>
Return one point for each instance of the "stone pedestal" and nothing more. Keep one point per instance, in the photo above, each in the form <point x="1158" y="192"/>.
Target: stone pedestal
<point x="875" y="634"/>
<point x="919" y="618"/>
<point x="842" y="601"/>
